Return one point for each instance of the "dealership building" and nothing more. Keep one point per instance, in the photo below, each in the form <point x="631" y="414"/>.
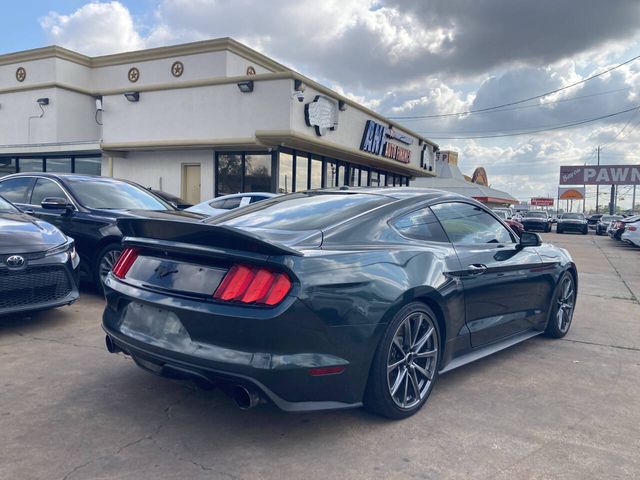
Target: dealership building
<point x="196" y="120"/>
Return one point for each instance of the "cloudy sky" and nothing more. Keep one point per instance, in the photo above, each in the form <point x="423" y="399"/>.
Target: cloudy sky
<point x="414" y="58"/>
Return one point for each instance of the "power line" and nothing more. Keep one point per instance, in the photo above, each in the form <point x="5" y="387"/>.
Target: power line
<point x="542" y="95"/>
<point x="558" y="127"/>
<point x="537" y="105"/>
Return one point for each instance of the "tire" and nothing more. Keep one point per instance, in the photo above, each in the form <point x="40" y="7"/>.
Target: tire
<point x="558" y="230"/>
<point x="585" y="232"/>
<point x="104" y="262"/>
<point x="563" y="300"/>
<point x="401" y="391"/>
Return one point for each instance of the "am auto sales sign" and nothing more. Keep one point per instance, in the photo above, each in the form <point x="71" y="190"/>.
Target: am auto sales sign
<point x="600" y="175"/>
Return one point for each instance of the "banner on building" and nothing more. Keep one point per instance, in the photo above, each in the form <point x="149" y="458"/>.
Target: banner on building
<point x="571" y="193"/>
<point x="600" y="175"/>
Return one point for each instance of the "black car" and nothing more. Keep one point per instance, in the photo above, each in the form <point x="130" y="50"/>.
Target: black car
<point x="592" y="220"/>
<point x="86" y="207"/>
<point x="333" y="298"/>
<point x="536" y="220"/>
<point x="605" y="222"/>
<point x="174" y="201"/>
<point x="572" y="222"/>
<point x="37" y="263"/>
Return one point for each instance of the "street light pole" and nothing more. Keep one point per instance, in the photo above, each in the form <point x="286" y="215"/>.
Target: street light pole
<point x="598" y="186"/>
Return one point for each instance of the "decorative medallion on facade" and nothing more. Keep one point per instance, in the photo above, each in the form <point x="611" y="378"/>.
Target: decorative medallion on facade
<point x="322" y="114"/>
<point x="21" y="74"/>
<point x="374" y="141"/>
<point x="133" y="75"/>
<point x="251" y="70"/>
<point x="177" y="69"/>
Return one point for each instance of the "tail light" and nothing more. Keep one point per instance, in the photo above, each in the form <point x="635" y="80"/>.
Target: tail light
<point x="125" y="261"/>
<point x="631" y="228"/>
<point x="258" y="285"/>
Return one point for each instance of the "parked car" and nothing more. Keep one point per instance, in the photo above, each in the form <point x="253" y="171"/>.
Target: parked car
<point x="593" y="219"/>
<point x="605" y="222"/>
<point x="618" y="226"/>
<point x="172" y="200"/>
<point x="631" y="233"/>
<point x="536" y="220"/>
<point x="86" y="207"/>
<point x="515" y="226"/>
<point x="220" y="205"/>
<point x="37" y="263"/>
<point x="333" y="298"/>
<point x="572" y="222"/>
<point x="507" y="211"/>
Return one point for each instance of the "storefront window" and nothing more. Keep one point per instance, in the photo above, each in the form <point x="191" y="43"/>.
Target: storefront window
<point x="375" y="179"/>
<point x="383" y="179"/>
<point x="364" y="177"/>
<point x="302" y="171"/>
<point x="331" y="171"/>
<point x="229" y="174"/>
<point x="30" y="164"/>
<point x="285" y="173"/>
<point x="86" y="166"/>
<point x="7" y="166"/>
<point x="316" y="173"/>
<point x="59" y="165"/>
<point x="257" y="177"/>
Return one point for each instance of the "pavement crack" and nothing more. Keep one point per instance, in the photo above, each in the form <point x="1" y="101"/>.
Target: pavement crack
<point x="633" y="296"/>
<point x="75" y="469"/>
<point x="633" y="349"/>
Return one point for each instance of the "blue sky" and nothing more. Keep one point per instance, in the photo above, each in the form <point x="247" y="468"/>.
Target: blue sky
<point x="409" y="58"/>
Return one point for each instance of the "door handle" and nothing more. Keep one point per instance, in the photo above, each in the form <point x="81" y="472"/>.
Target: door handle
<point x="28" y="211"/>
<point x="476" y="268"/>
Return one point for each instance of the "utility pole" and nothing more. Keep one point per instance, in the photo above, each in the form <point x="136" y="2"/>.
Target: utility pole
<point x="612" y="204"/>
<point x="598" y="186"/>
<point x="633" y="202"/>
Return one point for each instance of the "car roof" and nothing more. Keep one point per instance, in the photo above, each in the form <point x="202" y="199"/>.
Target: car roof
<point x="245" y="194"/>
<point x="398" y="193"/>
<point x="65" y="176"/>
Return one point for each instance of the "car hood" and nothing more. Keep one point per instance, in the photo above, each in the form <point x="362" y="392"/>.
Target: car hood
<point x="543" y="220"/>
<point x="160" y="214"/>
<point x="20" y="233"/>
<point x="571" y="220"/>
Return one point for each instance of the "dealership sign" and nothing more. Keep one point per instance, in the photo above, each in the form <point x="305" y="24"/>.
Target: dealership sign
<point x="600" y="175"/>
<point x="542" y="202"/>
<point x="571" y="193"/>
<point x="374" y="140"/>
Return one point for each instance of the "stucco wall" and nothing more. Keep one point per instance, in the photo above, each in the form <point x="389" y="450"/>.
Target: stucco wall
<point x="162" y="170"/>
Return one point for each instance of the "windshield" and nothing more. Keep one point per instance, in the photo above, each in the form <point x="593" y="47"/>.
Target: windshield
<point x="6" y="207"/>
<point x="300" y="211"/>
<point x="608" y="218"/>
<point x="109" y="194"/>
<point x="573" y="216"/>
<point x="536" y="215"/>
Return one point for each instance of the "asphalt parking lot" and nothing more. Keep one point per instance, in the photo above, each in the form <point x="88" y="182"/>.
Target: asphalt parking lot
<point x="552" y="409"/>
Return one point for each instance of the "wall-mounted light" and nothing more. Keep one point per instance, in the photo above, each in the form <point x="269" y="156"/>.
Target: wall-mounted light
<point x="43" y="101"/>
<point x="132" y="96"/>
<point x="246" y="86"/>
<point x="342" y="105"/>
<point x="298" y="86"/>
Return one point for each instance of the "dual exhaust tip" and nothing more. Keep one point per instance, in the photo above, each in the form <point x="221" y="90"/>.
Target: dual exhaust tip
<point x="245" y="397"/>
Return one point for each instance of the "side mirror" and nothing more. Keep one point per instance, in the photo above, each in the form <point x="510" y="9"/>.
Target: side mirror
<point x="57" y="203"/>
<point x="530" y="239"/>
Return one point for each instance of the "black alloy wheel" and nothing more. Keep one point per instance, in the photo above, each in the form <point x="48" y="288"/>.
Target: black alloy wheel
<point x="562" y="307"/>
<point x="106" y="259"/>
<point x="405" y="366"/>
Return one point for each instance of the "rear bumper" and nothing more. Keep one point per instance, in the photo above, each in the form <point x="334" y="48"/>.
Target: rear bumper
<point x="572" y="227"/>
<point x="531" y="226"/>
<point x="271" y="350"/>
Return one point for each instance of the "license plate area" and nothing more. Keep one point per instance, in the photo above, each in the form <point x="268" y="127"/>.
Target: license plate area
<point x="175" y="275"/>
<point x="155" y="326"/>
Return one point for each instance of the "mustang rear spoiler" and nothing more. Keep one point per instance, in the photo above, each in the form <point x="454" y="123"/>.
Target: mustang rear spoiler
<point x="189" y="235"/>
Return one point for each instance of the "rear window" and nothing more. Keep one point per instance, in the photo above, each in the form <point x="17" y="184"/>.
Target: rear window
<point x="301" y="211"/>
<point x="535" y="215"/>
<point x="573" y="216"/>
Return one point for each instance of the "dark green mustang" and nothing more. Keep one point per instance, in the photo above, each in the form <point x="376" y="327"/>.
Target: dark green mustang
<point x="333" y="298"/>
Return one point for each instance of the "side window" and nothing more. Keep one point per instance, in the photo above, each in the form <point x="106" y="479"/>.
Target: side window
<point x="467" y="224"/>
<point x="257" y="198"/>
<point x="420" y="225"/>
<point x="226" y="203"/>
<point x="15" y="189"/>
<point x="45" y="188"/>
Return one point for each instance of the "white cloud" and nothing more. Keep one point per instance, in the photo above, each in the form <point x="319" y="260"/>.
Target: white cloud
<point x="94" y="29"/>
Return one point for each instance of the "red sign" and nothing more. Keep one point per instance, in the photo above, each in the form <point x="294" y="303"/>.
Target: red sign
<point x="542" y="202"/>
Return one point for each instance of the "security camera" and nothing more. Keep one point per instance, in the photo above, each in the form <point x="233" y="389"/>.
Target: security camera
<point x="99" y="105"/>
<point x="299" y="95"/>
